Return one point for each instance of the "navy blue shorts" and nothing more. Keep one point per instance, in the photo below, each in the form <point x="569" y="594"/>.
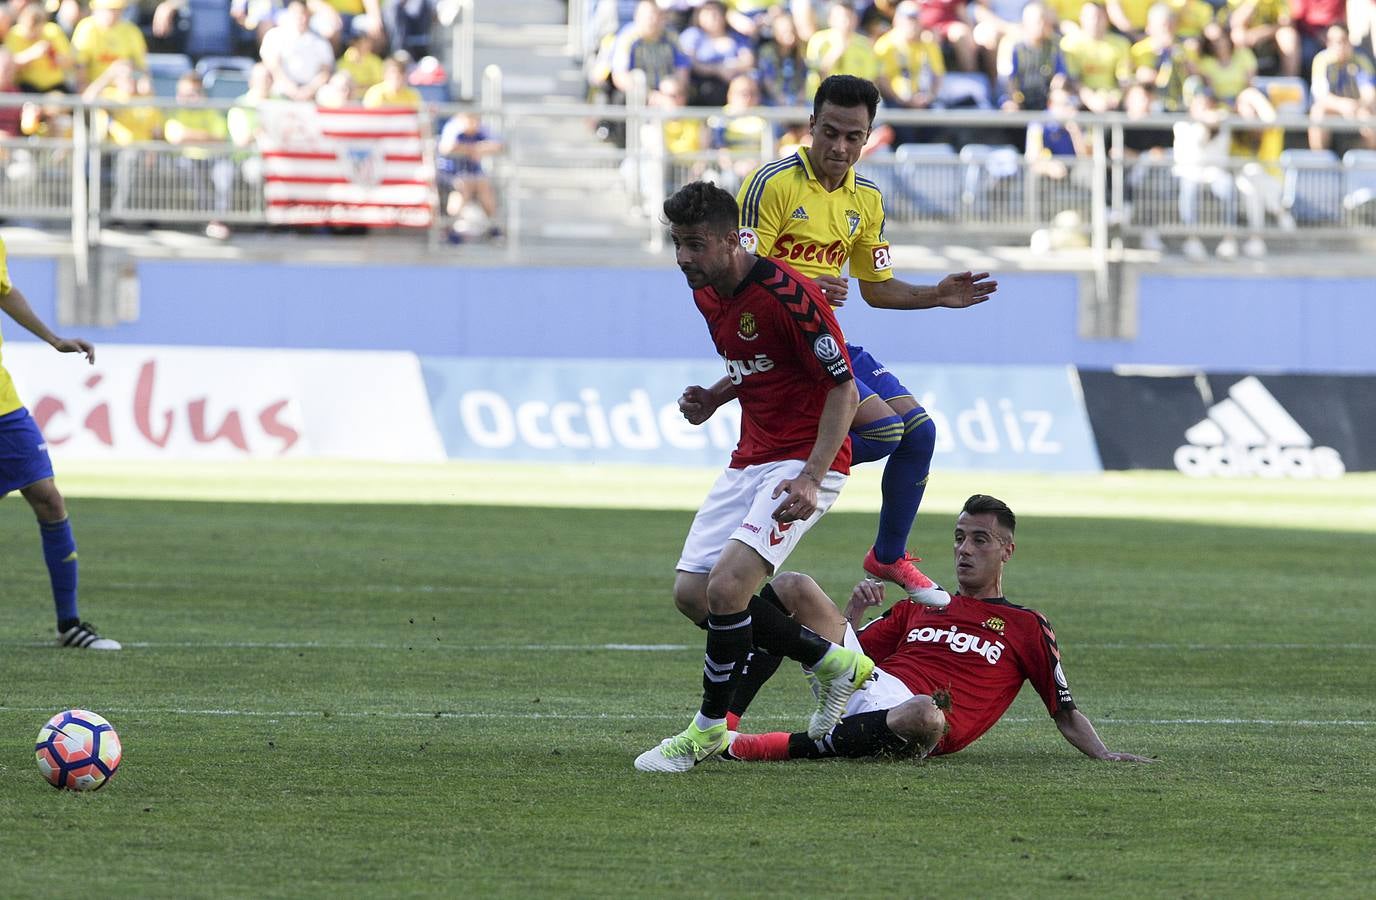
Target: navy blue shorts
<point x="23" y="452"/>
<point x="871" y="378"/>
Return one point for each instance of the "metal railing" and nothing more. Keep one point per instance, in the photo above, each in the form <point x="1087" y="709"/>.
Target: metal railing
<point x="979" y="180"/>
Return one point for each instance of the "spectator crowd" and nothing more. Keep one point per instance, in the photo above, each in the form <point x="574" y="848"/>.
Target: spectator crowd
<point x="176" y="53"/>
<point x="1215" y="61"/>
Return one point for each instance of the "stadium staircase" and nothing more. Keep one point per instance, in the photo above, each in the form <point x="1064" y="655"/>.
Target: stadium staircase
<point x="559" y="215"/>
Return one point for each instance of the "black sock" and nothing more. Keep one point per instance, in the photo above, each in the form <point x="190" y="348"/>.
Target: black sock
<point x="759" y="666"/>
<point x="728" y="644"/>
<point x="780" y="635"/>
<point x="856" y="737"/>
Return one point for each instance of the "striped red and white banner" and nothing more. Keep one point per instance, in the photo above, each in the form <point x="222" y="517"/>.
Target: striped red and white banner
<point x="345" y="166"/>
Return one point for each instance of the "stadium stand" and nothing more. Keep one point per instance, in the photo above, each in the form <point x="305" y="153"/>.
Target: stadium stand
<point x="963" y="167"/>
<point x="1359" y="169"/>
<point x="165" y="69"/>
<point x="1313" y="191"/>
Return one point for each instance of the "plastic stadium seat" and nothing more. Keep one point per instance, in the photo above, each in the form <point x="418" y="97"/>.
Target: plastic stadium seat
<point x="1288" y="94"/>
<point x="930" y="178"/>
<point x="212" y="30"/>
<point x="208" y="64"/>
<point x="1313" y="190"/>
<point x="964" y="89"/>
<point x="165" y="69"/>
<point x="225" y="84"/>
<point x="990" y="172"/>
<point x="433" y="93"/>
<point x="173" y="65"/>
<point x="1359" y="170"/>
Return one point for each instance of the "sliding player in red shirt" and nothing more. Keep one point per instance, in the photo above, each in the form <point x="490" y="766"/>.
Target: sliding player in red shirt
<point x="943" y="677"/>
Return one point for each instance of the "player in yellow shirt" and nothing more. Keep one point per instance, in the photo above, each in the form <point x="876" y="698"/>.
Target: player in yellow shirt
<point x="26" y="468"/>
<point x="103" y="38"/>
<point x="393" y="89"/>
<point x="814" y="212"/>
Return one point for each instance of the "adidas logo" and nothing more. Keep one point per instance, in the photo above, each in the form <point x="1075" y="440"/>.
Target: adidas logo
<point x="800" y="214"/>
<point x="1251" y="434"/>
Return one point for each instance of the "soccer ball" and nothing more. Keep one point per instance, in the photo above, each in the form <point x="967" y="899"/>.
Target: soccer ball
<point x="78" y="750"/>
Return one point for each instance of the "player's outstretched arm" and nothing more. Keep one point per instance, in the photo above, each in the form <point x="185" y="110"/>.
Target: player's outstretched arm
<point x="17" y="307"/>
<point x="1079" y="731"/>
<point x="956" y="291"/>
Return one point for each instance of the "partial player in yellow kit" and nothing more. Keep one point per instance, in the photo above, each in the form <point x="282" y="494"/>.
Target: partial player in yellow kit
<point x="25" y="467"/>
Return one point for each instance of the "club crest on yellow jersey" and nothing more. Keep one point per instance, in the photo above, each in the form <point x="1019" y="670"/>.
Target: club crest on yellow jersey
<point x="853" y="220"/>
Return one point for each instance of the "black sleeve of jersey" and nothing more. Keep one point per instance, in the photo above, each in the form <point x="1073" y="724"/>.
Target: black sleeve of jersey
<point x="816" y="322"/>
<point x="1053" y="656"/>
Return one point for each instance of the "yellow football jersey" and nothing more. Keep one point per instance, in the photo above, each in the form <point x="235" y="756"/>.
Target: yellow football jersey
<point x="45" y="72"/>
<point x="787" y="214"/>
<point x="911" y="68"/>
<point x="9" y="397"/>
<point x="1100" y="65"/>
<point x="380" y="96"/>
<point x="98" y="48"/>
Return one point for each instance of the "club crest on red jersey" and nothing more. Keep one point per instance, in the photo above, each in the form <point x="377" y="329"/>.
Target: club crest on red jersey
<point x="747" y="330"/>
<point x="994" y="623"/>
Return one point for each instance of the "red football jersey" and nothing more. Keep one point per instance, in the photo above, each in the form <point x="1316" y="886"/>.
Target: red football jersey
<point x="978" y="651"/>
<point x="784" y="353"/>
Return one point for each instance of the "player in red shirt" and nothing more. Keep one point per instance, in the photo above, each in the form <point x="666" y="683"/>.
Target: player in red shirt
<point x="786" y="357"/>
<point x="943" y="677"/>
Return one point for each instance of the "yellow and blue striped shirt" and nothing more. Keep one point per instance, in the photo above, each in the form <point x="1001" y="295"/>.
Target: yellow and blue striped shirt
<point x="787" y="214"/>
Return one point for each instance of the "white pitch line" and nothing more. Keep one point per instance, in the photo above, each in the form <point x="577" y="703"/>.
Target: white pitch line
<point x="360" y="589"/>
<point x="422" y="639"/>
<point x="632" y="717"/>
<point x="1213" y="647"/>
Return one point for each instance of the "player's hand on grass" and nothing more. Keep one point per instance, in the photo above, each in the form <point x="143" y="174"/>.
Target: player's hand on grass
<point x="801" y="501"/>
<point x="1128" y="757"/>
<point x="76" y="345"/>
<point x="835" y="288"/>
<point x="964" y="289"/>
<point x="697" y="404"/>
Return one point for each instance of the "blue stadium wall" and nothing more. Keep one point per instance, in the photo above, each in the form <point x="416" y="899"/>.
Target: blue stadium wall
<point x="1225" y="323"/>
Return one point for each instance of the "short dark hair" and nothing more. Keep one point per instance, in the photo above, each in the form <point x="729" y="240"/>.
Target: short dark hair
<point x="979" y="504"/>
<point x="847" y="90"/>
<point x="702" y="203"/>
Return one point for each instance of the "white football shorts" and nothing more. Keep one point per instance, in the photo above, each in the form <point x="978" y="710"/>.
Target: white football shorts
<point x="739" y="507"/>
<point x="885" y="690"/>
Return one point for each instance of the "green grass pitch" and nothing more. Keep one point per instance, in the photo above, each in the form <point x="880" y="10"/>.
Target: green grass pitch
<point x="442" y="696"/>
